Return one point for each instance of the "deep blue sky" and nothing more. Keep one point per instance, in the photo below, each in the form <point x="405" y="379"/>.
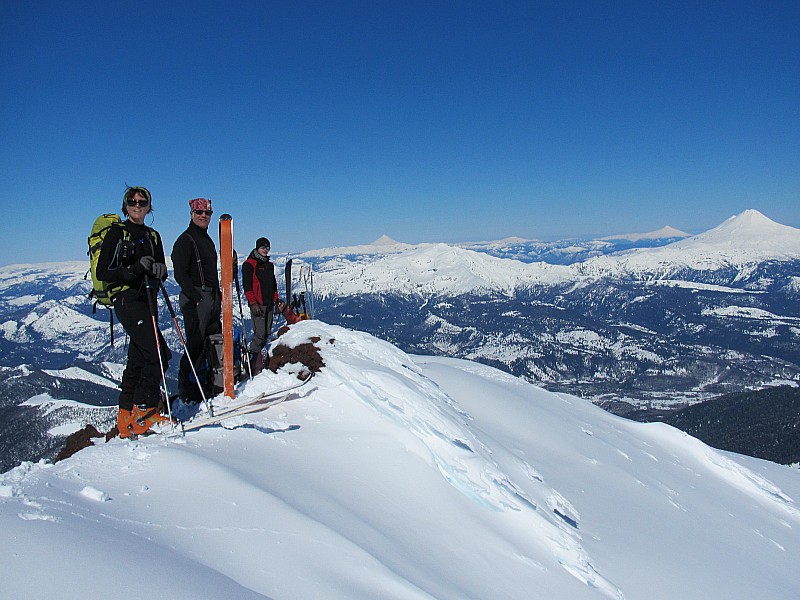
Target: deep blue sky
<point x="331" y="123"/>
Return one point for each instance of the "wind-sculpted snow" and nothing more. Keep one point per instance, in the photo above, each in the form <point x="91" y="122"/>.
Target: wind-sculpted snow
<point x="417" y="405"/>
<point x="405" y="477"/>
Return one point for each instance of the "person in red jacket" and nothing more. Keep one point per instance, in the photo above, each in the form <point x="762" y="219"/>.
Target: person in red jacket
<point x="261" y="291"/>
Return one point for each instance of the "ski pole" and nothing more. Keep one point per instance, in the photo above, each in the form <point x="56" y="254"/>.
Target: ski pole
<point x="209" y="408"/>
<point x="243" y="351"/>
<point x="154" y="317"/>
<point x="311" y="278"/>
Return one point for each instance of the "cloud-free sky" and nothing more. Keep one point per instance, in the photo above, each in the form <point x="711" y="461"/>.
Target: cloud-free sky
<point x="331" y="123"/>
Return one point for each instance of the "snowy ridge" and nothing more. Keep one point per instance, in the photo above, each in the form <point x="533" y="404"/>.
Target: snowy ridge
<point x="435" y="269"/>
<point x="82" y="374"/>
<point x="407" y="477"/>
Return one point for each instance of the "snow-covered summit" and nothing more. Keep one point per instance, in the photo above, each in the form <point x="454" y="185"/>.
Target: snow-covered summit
<point x="741" y="241"/>
<point x="749" y="230"/>
<point x="384" y="240"/>
<point x="406" y="477"/>
<point x="383" y="245"/>
<point x="666" y="232"/>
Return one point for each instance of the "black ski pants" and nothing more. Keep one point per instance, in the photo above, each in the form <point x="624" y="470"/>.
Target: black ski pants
<point x="141" y="379"/>
<point x="199" y="320"/>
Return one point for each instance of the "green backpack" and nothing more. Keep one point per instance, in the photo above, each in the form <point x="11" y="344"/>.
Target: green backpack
<point x="100" y="289"/>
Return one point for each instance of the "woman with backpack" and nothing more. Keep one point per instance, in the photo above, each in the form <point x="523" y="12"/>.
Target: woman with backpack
<point x="261" y="291"/>
<point x="131" y="262"/>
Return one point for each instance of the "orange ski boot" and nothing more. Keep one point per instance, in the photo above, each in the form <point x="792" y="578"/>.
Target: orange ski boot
<point x="124" y="422"/>
<point x="144" y="417"/>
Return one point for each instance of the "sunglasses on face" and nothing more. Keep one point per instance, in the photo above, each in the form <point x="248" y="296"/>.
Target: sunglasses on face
<point x="208" y="213"/>
<point x="264" y="248"/>
<point x="135" y="202"/>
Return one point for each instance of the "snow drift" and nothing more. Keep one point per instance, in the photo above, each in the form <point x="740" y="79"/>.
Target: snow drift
<point x="404" y="477"/>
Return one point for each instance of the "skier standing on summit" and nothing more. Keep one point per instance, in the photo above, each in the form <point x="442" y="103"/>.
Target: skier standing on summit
<point x="194" y="263"/>
<point x="130" y="255"/>
<point x="261" y="291"/>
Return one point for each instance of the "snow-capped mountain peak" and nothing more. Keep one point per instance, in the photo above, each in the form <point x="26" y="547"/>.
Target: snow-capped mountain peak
<point x="666" y="232"/>
<point x="751" y="229"/>
<point x="740" y="241"/>
<point x="385" y="240"/>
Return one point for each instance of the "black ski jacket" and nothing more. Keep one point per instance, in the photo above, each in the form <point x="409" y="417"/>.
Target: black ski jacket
<point x="119" y="263"/>
<point x="194" y="262"/>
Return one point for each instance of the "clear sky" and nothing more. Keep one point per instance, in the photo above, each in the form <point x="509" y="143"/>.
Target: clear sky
<point x="331" y="123"/>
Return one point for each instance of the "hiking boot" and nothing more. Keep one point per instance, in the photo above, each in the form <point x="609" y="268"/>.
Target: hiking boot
<point x="124" y="422"/>
<point x="144" y="417"/>
<point x="256" y="363"/>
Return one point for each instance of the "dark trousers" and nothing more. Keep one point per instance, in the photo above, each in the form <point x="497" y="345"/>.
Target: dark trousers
<point x="199" y="320"/>
<point x="141" y="379"/>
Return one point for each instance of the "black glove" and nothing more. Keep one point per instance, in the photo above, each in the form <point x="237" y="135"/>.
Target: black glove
<point x="159" y="271"/>
<point x="256" y="310"/>
<point x="145" y="264"/>
<point x="276" y="308"/>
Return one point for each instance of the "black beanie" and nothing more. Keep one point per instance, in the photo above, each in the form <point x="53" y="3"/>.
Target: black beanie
<point x="262" y="241"/>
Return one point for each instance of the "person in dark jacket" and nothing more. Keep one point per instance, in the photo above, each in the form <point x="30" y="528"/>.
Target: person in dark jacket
<point x="261" y="291"/>
<point x="194" y="263"/>
<point x="132" y="261"/>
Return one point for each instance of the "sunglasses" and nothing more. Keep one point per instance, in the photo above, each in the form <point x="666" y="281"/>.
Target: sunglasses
<point x="135" y="202"/>
<point x="208" y="213"/>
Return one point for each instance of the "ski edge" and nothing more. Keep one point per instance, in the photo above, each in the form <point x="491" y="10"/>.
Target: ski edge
<point x="263" y="400"/>
<point x="246" y="409"/>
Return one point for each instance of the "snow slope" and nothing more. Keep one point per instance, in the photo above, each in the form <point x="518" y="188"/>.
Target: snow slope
<point x="404" y="477"/>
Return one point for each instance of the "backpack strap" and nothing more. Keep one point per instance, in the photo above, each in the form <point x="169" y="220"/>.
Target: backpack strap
<point x="111" y="325"/>
<point x="197" y="256"/>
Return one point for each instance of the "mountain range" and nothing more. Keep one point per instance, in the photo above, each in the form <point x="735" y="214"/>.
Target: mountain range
<point x="633" y="322"/>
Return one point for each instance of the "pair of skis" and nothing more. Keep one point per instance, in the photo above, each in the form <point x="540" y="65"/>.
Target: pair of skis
<point x="296" y="308"/>
<point x="250" y="405"/>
